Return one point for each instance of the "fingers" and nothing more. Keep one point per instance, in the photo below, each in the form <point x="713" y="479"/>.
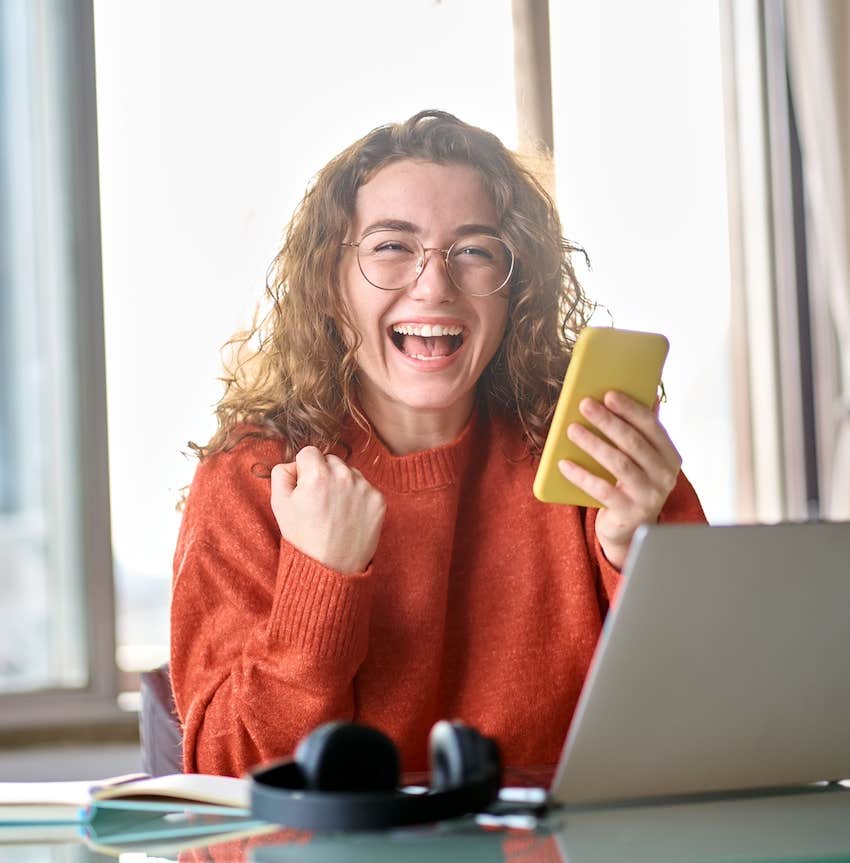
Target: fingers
<point x="629" y="422"/>
<point x="284" y="479"/>
<point x="616" y="461"/>
<point x="633" y="446"/>
<point x="310" y="460"/>
<point x="314" y="467"/>
<point x="327" y="510"/>
<point x="637" y="442"/>
<point x="647" y="421"/>
<point x="629" y="441"/>
<point x="341" y="469"/>
<point x="310" y="466"/>
<point x="610" y="496"/>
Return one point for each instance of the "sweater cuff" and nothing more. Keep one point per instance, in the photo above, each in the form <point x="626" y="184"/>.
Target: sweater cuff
<point x="611" y="576"/>
<point x="320" y="610"/>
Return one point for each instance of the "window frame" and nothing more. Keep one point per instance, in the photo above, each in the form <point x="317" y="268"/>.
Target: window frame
<point x="59" y="123"/>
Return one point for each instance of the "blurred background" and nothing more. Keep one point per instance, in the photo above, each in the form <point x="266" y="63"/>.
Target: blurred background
<point x="152" y="152"/>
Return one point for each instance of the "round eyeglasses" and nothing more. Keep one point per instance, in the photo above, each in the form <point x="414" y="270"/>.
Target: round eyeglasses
<point x="392" y="260"/>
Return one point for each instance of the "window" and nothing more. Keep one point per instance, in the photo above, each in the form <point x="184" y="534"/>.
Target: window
<point x="641" y="178"/>
<point x="212" y="118"/>
<point x="55" y="573"/>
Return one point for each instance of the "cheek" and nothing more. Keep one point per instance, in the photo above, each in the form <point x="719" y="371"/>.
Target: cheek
<point x="496" y="323"/>
<point x="364" y="314"/>
<point x="351" y="298"/>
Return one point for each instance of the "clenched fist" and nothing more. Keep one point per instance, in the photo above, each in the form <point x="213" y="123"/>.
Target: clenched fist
<point x="327" y="510"/>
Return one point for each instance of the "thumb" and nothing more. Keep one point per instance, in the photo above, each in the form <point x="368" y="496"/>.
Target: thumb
<point x="284" y="479"/>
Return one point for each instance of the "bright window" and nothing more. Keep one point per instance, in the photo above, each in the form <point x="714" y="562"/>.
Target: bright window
<point x="212" y="118"/>
<point x="641" y="181"/>
<point x="56" y="615"/>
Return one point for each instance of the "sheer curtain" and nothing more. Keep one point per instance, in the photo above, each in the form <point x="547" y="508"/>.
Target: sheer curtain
<point x="818" y="40"/>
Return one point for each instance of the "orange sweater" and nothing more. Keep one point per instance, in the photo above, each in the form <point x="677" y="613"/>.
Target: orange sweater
<point x="481" y="603"/>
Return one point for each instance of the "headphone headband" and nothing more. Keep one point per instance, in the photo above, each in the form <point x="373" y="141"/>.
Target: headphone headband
<point x="366" y="810"/>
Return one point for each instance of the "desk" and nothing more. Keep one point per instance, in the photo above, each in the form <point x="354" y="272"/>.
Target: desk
<point x="810" y="825"/>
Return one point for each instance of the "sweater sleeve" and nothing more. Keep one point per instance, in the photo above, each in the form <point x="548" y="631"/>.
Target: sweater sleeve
<point x="265" y="641"/>
<point x="682" y="505"/>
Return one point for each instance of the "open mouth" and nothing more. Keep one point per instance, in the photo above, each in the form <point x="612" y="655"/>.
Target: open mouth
<point x="427" y="341"/>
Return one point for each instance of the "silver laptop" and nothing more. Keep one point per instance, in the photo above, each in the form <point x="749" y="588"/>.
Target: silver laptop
<point x="724" y="664"/>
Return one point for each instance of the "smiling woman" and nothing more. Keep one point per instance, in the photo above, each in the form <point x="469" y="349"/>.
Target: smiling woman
<point x="417" y="388"/>
<point x="361" y="541"/>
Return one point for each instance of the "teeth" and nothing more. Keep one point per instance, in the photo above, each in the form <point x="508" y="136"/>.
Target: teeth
<point x="427" y="330"/>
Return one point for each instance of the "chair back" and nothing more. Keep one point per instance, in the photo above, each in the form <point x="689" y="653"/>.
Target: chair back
<point x="159" y="728"/>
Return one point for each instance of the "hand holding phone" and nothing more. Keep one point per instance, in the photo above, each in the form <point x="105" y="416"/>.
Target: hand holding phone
<point x="603" y="359"/>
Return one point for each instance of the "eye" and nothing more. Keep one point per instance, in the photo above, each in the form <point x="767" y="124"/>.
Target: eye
<point x="391" y="246"/>
<point x="474" y="251"/>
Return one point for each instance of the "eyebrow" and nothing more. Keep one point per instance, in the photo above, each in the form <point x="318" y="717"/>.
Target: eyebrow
<point x="402" y="225"/>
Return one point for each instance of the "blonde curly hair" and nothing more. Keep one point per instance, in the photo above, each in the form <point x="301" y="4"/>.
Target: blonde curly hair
<point x="292" y="376"/>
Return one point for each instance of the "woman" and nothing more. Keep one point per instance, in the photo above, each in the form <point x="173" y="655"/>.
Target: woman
<point x="360" y="540"/>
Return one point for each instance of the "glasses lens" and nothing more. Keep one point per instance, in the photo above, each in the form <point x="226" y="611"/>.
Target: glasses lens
<point x="477" y="265"/>
<point x="480" y="264"/>
<point x="389" y="259"/>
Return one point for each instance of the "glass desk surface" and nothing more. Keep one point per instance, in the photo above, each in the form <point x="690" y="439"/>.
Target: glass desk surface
<point x="811" y="824"/>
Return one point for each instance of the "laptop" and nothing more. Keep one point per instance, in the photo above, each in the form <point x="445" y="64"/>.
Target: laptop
<point x="723" y="665"/>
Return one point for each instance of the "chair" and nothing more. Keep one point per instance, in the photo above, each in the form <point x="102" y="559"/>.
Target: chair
<point x="159" y="729"/>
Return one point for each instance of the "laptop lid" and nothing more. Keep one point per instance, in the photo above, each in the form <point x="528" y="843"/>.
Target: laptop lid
<point x="724" y="664"/>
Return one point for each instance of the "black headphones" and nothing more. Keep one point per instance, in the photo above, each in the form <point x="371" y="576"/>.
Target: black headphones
<point x="345" y="777"/>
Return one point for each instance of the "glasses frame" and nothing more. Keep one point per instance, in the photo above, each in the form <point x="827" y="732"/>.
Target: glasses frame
<point x="420" y="263"/>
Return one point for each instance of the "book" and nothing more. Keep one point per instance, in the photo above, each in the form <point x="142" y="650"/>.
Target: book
<point x="39" y="834"/>
<point x="164" y="834"/>
<point x="115" y="832"/>
<point x="69" y="802"/>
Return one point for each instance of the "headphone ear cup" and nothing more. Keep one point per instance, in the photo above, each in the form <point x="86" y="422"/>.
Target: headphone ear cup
<point x="344" y="756"/>
<point x="459" y="754"/>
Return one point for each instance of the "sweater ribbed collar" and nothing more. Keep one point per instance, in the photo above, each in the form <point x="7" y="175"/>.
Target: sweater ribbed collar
<point x="418" y="471"/>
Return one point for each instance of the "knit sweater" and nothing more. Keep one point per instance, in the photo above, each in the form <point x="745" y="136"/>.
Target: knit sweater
<point x="480" y="604"/>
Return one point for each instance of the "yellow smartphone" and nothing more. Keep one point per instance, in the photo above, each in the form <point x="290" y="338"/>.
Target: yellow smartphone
<point x="603" y="359"/>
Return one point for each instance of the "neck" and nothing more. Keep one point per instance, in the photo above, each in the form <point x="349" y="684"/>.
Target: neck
<point x="406" y="430"/>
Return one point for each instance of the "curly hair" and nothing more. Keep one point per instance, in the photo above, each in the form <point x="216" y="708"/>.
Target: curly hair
<point x="292" y="376"/>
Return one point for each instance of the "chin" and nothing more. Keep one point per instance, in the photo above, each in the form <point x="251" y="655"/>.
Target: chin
<point x="402" y="389"/>
<point x="434" y="400"/>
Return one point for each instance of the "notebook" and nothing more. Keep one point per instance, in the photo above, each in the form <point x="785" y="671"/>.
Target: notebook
<point x="69" y="802"/>
<point x="724" y="664"/>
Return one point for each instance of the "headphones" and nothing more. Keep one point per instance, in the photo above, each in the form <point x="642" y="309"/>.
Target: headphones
<point x="345" y="776"/>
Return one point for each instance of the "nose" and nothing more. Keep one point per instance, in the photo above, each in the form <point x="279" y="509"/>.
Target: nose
<point x="434" y="284"/>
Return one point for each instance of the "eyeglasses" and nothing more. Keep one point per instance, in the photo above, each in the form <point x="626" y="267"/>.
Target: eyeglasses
<point x="392" y="260"/>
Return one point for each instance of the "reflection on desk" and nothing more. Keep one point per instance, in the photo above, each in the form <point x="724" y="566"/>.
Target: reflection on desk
<point x="461" y="840"/>
<point x="805" y="825"/>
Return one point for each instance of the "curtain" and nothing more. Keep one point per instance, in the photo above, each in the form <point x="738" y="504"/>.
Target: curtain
<point x="818" y="44"/>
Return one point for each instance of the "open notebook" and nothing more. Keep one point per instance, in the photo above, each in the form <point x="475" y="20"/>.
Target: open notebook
<point x="68" y="802"/>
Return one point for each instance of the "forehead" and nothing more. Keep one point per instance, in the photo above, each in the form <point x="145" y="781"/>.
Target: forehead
<point x="434" y="198"/>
